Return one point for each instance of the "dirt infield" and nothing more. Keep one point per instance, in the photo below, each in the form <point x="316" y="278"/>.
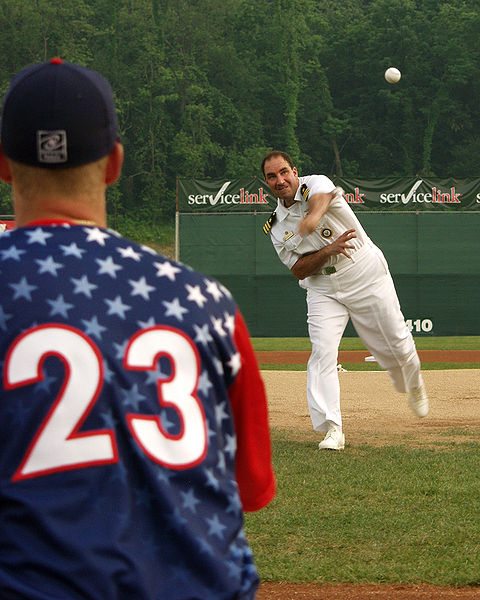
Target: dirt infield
<point x="375" y="414"/>
<point x="292" y="591"/>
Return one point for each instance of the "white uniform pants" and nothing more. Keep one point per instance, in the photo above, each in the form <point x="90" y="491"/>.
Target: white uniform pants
<point x="365" y="293"/>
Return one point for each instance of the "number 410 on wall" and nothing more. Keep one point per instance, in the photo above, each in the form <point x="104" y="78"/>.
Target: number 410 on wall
<point x="419" y="325"/>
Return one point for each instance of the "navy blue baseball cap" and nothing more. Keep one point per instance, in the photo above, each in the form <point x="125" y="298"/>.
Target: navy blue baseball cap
<point x="57" y="114"/>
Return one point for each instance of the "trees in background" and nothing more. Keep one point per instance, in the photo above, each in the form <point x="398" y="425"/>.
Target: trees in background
<point x="205" y="87"/>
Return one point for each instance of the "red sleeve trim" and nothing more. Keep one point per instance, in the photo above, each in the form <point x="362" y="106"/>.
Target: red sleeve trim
<point x="254" y="470"/>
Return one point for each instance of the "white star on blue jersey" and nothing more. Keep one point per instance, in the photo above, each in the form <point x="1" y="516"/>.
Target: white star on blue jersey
<point x="225" y="290"/>
<point x="189" y="500"/>
<point x="22" y="289"/>
<point x="220" y="413"/>
<point x="141" y="288"/>
<point x="72" y="250"/>
<point x="202" y="334"/>
<point x="13" y="252"/>
<point x="96" y="235"/>
<point x="174" y="309"/>
<point x="212" y="481"/>
<point x="129" y="253"/>
<point x="235" y="363"/>
<point x="195" y="295"/>
<point x="108" y="267"/>
<point x="152" y="377"/>
<point x="215" y="527"/>
<point x="107" y="372"/>
<point x="218" y="365"/>
<point x="38" y="236"/>
<point x="205" y="547"/>
<point x="167" y="425"/>
<point x="93" y="327"/>
<point x="204" y="383"/>
<point x="59" y="307"/>
<point x="120" y="350"/>
<point x="45" y="384"/>
<point x="109" y="420"/>
<point x="231" y="445"/>
<point x="221" y="462"/>
<point x="213" y="290"/>
<point x="166" y="269"/>
<point x="229" y="323"/>
<point x="132" y="397"/>
<point x="49" y="266"/>
<point x="149" y="250"/>
<point x="234" y="505"/>
<point x="218" y="326"/>
<point x="164" y="475"/>
<point x="150" y="322"/>
<point x="117" y="307"/>
<point x="83" y="286"/>
<point x="4" y="317"/>
<point x="177" y="522"/>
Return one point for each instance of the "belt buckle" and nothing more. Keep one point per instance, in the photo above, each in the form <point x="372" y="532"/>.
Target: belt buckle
<point x="330" y="270"/>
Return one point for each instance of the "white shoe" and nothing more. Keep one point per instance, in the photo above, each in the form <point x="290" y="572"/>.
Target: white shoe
<point x="418" y="400"/>
<point x="334" y="440"/>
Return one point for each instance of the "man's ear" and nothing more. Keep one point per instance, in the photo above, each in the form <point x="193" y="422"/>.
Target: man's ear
<point x="5" y="173"/>
<point x="114" y="164"/>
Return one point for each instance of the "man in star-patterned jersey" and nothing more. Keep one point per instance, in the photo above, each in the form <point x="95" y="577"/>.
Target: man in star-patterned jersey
<point x="133" y="418"/>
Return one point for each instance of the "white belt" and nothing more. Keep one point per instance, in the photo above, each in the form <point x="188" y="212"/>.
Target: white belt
<point x="346" y="262"/>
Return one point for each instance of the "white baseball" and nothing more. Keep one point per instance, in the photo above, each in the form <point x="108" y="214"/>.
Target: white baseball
<point x="392" y="75"/>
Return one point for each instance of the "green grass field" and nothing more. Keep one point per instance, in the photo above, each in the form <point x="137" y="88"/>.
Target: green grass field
<point x="371" y="515"/>
<point x="422" y="343"/>
<point x="393" y="514"/>
<point x="354" y="343"/>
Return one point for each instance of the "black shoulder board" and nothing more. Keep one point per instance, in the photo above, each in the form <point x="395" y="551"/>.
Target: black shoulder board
<point x="304" y="190"/>
<point x="268" y="225"/>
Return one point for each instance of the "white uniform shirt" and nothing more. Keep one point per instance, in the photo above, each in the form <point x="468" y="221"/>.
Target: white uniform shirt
<point x="290" y="246"/>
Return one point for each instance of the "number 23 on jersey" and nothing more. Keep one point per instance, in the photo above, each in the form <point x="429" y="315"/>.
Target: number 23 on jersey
<point x="58" y="444"/>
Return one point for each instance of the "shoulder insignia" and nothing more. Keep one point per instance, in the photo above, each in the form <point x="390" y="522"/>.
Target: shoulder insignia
<point x="305" y="191"/>
<point x="268" y="225"/>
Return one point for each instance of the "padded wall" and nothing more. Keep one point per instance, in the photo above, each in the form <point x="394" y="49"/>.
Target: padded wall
<point x="433" y="258"/>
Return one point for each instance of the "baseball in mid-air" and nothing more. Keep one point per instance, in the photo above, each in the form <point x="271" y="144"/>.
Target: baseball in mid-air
<point x="392" y="75"/>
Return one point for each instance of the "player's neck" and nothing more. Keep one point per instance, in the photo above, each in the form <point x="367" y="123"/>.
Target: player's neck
<point x="68" y="212"/>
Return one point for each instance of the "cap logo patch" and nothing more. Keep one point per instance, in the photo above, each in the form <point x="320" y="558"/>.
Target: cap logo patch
<point x="52" y="146"/>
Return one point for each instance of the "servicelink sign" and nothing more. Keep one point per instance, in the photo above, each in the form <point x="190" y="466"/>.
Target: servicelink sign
<point x="247" y="195"/>
<point x="412" y="195"/>
<point x="224" y="195"/>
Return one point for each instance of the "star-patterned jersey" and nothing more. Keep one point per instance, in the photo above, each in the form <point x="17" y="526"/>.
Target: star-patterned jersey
<point x="133" y="424"/>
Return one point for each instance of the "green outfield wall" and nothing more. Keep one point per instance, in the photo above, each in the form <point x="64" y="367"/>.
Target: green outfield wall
<point x="430" y="237"/>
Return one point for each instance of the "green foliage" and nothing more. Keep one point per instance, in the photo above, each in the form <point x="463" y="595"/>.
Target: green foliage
<point x="371" y="515"/>
<point x="141" y="231"/>
<point x="204" y="89"/>
<point x="6" y="205"/>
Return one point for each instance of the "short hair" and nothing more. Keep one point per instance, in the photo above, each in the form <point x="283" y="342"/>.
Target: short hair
<point x="273" y="154"/>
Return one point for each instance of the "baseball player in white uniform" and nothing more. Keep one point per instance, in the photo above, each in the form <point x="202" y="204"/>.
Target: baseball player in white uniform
<point x="318" y="237"/>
